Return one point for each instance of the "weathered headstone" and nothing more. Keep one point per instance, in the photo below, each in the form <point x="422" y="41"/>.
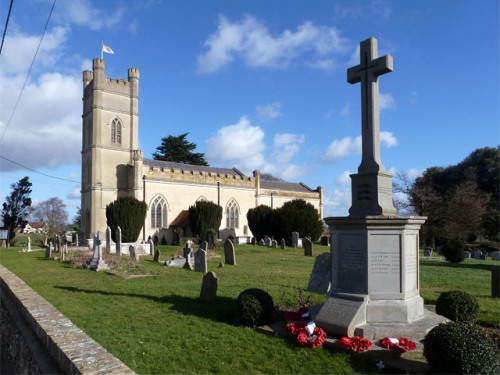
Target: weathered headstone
<point x="200" y="261"/>
<point x="325" y="241"/>
<point x="108" y="239"/>
<point x="96" y="262"/>
<point x="466" y="254"/>
<point x="262" y="242"/>
<point x="157" y="256"/>
<point x="477" y="254"/>
<point x="132" y="253"/>
<point x="308" y="246"/>
<point x="319" y="282"/>
<point x="267" y="241"/>
<point x="374" y="253"/>
<point x="118" y="235"/>
<point x="253" y="241"/>
<point x="495" y="282"/>
<point x="495" y="255"/>
<point x="204" y="245"/>
<point x="29" y="243"/>
<point x="151" y="246"/>
<point x="283" y="244"/>
<point x="209" y="285"/>
<point x="48" y="251"/>
<point x="295" y="239"/>
<point x="427" y="252"/>
<point x="274" y="244"/>
<point x="229" y="256"/>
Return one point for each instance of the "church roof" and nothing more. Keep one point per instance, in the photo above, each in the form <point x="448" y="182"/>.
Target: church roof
<point x="287" y="186"/>
<point x="193" y="168"/>
<point x="181" y="219"/>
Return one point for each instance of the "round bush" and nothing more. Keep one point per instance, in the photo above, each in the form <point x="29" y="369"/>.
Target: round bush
<point x="453" y="250"/>
<point x="255" y="306"/>
<point x="458" y="348"/>
<point x="457" y="306"/>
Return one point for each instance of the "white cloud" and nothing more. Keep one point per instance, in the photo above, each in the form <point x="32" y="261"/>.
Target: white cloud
<point x="346" y="110"/>
<point x="336" y="202"/>
<point x="341" y="148"/>
<point x="84" y="13"/>
<point x="344" y="179"/>
<point x="241" y="145"/>
<point x="388" y="139"/>
<point x="269" y="111"/>
<point x="386" y="101"/>
<point x="286" y="146"/>
<point x="251" y="41"/>
<point x="74" y="194"/>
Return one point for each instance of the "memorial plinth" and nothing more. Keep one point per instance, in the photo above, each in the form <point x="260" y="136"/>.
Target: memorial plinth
<point x="375" y="285"/>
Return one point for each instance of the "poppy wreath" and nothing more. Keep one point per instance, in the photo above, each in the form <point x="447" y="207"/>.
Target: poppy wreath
<point x="355" y="343"/>
<point x="299" y="330"/>
<point x="400" y="344"/>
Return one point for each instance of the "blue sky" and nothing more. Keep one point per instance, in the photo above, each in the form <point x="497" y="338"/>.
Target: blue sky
<point x="257" y="84"/>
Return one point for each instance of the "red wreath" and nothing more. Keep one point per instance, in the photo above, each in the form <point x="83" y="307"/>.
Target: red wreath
<point x="400" y="344"/>
<point x="355" y="343"/>
<point x="299" y="330"/>
<point x="300" y="315"/>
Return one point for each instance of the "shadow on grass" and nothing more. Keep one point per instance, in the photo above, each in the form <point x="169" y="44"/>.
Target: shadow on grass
<point x="222" y="310"/>
<point x="462" y="265"/>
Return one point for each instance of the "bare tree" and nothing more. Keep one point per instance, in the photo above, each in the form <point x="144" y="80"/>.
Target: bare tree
<point x="53" y="212"/>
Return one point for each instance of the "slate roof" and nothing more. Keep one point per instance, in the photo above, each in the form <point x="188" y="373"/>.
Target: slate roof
<point x="194" y="168"/>
<point x="287" y="186"/>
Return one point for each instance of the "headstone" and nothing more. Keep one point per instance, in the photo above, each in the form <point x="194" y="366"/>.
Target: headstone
<point x="477" y="254"/>
<point x="200" y="261"/>
<point x="151" y="246"/>
<point x="253" y="241"/>
<point x="283" y="243"/>
<point x="208" y="291"/>
<point x="483" y="256"/>
<point x="319" y="282"/>
<point x="48" y="251"/>
<point x="96" y="262"/>
<point x="274" y="244"/>
<point x="495" y="282"/>
<point x="118" y="236"/>
<point x="204" y="245"/>
<point x="495" y="255"/>
<point x="229" y="256"/>
<point x="427" y="252"/>
<point x="56" y="243"/>
<point x="262" y="242"/>
<point x="295" y="239"/>
<point x="132" y="253"/>
<point x="29" y="243"/>
<point x="157" y="256"/>
<point x="267" y="241"/>
<point x="325" y="240"/>
<point x="188" y="254"/>
<point x="308" y="247"/>
<point x="76" y="240"/>
<point x="466" y="254"/>
<point x="108" y="239"/>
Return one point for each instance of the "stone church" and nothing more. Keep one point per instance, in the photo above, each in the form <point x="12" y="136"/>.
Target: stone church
<point x="113" y="167"/>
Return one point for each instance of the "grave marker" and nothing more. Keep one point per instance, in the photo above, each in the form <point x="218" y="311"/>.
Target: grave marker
<point x="308" y="247"/>
<point x="319" y="282"/>
<point x="209" y="285"/>
<point x="200" y="261"/>
<point x="229" y="255"/>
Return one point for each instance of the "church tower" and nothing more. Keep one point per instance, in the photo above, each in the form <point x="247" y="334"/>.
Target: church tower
<point x="110" y="157"/>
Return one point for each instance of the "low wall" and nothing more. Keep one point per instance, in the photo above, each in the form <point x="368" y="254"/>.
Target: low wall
<point x="37" y="339"/>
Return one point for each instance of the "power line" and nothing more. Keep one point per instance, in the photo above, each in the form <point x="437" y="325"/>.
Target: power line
<point x="29" y="71"/>
<point x="34" y="170"/>
<point x="6" y="24"/>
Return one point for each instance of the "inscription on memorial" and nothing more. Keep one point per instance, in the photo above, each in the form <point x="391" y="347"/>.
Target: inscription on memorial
<point x="385" y="264"/>
<point x="352" y="273"/>
<point x="411" y="264"/>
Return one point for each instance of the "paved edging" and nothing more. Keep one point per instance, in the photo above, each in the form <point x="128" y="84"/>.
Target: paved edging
<point x="71" y="349"/>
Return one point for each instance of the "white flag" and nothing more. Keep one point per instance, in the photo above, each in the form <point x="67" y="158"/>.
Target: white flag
<point x="107" y="49"/>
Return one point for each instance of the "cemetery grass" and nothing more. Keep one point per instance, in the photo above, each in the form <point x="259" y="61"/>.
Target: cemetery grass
<point x="151" y="318"/>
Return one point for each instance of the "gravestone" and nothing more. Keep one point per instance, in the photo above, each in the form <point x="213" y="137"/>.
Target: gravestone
<point x="319" y="282"/>
<point x="308" y="247"/>
<point x="283" y="244"/>
<point x="267" y="241"/>
<point x="466" y="254"/>
<point x="200" y="261"/>
<point x="157" y="256"/>
<point x="151" y="246"/>
<point x="295" y="239"/>
<point x="204" y="245"/>
<point x="253" y="241"/>
<point x="96" y="262"/>
<point x="29" y="243"/>
<point x="495" y="255"/>
<point x="118" y="236"/>
<point x="262" y="242"/>
<point x="374" y="253"/>
<point x="477" y="254"/>
<point x="229" y="255"/>
<point x="495" y="282"/>
<point x="132" y="253"/>
<point x="76" y="240"/>
<point x="325" y="241"/>
<point x="274" y="244"/>
<point x="108" y="239"/>
<point x="209" y="285"/>
<point x="427" y="252"/>
<point x="48" y="251"/>
<point x="483" y="256"/>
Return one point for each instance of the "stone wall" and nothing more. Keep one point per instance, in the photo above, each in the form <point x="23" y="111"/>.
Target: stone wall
<point x="36" y="338"/>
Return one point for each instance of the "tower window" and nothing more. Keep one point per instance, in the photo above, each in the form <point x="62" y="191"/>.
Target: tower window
<point x="159" y="213"/>
<point x="116" y="131"/>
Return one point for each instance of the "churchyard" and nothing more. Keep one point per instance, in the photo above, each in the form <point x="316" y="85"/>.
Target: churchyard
<point x="151" y="317"/>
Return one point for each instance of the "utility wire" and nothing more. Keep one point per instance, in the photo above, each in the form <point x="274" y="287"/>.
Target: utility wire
<point x="34" y="170"/>
<point x="29" y="71"/>
<point x="6" y="24"/>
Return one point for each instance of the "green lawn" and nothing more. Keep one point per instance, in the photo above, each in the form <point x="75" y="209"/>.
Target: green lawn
<point x="156" y="324"/>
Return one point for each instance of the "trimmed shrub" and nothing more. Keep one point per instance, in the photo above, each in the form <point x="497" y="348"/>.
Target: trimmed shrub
<point x="204" y="219"/>
<point x="453" y="249"/>
<point x="458" y="306"/>
<point x="255" y="306"/>
<point x="129" y="214"/>
<point x="458" y="348"/>
<point x="259" y="221"/>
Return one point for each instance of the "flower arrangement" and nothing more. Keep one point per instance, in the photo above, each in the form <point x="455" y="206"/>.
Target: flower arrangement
<point x="355" y="343"/>
<point x="399" y="344"/>
<point x="307" y="334"/>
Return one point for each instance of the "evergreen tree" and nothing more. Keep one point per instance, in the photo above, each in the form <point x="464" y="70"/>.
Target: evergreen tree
<point x="16" y="208"/>
<point x="259" y="220"/>
<point x="177" y="149"/>
<point x="129" y="214"/>
<point x="204" y="219"/>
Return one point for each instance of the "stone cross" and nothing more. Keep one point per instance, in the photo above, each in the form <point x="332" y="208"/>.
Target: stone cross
<point x="371" y="66"/>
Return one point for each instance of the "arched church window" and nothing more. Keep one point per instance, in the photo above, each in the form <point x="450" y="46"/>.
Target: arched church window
<point x="159" y="213"/>
<point x="232" y="214"/>
<point x="116" y="131"/>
